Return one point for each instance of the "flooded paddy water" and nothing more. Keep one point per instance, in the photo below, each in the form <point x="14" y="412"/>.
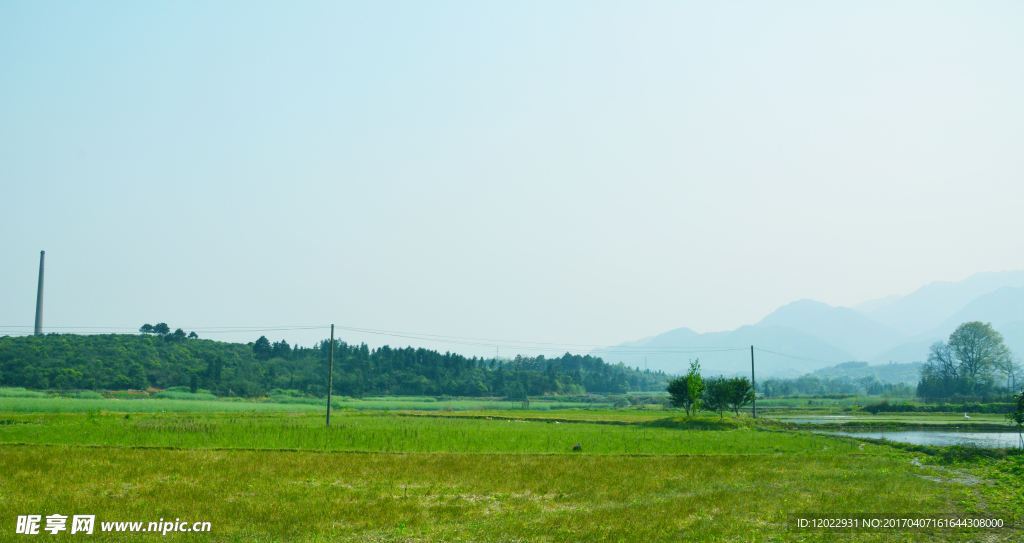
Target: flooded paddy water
<point x="988" y="440"/>
<point x="944" y="431"/>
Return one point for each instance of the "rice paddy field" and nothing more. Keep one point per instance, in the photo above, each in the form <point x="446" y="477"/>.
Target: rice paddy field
<point x="279" y="475"/>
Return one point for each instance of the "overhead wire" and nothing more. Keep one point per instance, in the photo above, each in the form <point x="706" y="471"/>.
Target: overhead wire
<point x="534" y="345"/>
<point x="795" y="357"/>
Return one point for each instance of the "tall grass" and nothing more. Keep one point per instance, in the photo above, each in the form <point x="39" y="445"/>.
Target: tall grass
<point x="18" y="392"/>
<point x="308" y="497"/>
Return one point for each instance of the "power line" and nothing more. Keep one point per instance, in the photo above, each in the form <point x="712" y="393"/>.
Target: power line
<point x="795" y="357"/>
<point x="526" y="344"/>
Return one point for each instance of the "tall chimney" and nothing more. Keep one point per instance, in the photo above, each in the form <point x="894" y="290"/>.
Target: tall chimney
<point x="39" y="296"/>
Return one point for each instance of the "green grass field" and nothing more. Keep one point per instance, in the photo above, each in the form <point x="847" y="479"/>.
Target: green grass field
<point x="278" y="475"/>
<point x="57" y="404"/>
<point x="378" y="432"/>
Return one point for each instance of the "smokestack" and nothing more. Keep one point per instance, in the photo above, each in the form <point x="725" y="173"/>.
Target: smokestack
<point x="39" y="296"/>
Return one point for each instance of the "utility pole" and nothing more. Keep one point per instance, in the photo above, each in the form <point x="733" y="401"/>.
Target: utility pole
<point x="330" y="379"/>
<point x="753" y="383"/>
<point x="39" y="297"/>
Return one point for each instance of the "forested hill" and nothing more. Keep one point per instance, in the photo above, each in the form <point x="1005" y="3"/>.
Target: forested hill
<point x="122" y="361"/>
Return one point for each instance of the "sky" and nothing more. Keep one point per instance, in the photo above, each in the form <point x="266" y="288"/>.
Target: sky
<point x="572" y="174"/>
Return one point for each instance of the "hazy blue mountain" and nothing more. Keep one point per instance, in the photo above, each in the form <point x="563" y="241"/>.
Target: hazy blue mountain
<point x="672" y="351"/>
<point x="929" y="306"/>
<point x="891" y="329"/>
<point x="879" y="303"/>
<point x="912" y="351"/>
<point x="1003" y="308"/>
<point x="841" y="327"/>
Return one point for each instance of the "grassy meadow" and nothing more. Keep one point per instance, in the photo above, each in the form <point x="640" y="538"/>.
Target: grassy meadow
<point x="378" y="432"/>
<point x="278" y="475"/>
<point x="200" y="403"/>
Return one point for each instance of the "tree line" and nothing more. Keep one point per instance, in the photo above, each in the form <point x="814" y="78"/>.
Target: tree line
<point x="161" y="359"/>
<point x="814" y="385"/>
<point x="693" y="392"/>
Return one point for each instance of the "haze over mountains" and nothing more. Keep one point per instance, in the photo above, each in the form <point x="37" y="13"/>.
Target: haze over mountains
<point x="807" y="335"/>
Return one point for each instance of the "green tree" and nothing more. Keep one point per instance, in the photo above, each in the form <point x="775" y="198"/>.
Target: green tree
<point x="146" y="329"/>
<point x="262" y="349"/>
<point x="943" y="361"/>
<point x="137" y="377"/>
<point x="978" y="348"/>
<point x="715" y="394"/>
<point x="281" y="349"/>
<point x="213" y="369"/>
<point x="686" y="391"/>
<point x="161" y="328"/>
<point x="739" y="393"/>
<point x="967" y="364"/>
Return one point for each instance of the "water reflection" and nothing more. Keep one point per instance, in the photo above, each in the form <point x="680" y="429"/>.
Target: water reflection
<point x="992" y="440"/>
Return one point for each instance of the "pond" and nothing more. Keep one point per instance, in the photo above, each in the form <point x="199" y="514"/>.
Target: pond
<point x="991" y="440"/>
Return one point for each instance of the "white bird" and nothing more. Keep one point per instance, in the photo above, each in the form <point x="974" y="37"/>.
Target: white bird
<point x="965" y="416"/>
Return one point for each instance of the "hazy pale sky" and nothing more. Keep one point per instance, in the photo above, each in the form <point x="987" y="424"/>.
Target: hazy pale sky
<point x="567" y="172"/>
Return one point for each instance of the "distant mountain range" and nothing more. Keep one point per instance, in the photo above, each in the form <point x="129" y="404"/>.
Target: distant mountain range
<point x="807" y="335"/>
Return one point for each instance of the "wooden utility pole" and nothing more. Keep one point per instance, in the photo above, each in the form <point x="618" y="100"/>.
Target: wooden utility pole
<point x="753" y="383"/>
<point x="330" y="379"/>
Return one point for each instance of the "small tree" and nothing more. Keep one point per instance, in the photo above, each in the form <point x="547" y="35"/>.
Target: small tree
<point x="739" y="393"/>
<point x="1017" y="417"/>
<point x="686" y="391"/>
<point x="161" y="328"/>
<point x="261" y="349"/>
<point x="715" y="393"/>
<point x="146" y="329"/>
